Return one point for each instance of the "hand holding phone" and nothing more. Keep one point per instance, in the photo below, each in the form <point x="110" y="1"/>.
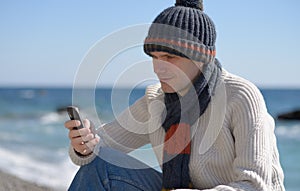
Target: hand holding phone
<point x="84" y="142"/>
<point x="73" y="113"/>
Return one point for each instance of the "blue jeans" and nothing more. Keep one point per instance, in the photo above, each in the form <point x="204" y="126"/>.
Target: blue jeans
<point x="116" y="175"/>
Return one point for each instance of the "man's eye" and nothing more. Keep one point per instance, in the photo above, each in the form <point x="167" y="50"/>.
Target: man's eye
<point x="170" y="56"/>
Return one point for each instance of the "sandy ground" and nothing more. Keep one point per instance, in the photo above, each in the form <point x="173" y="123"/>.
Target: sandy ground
<point x="12" y="183"/>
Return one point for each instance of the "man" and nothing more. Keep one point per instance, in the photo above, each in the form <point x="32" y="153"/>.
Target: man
<point x="209" y="129"/>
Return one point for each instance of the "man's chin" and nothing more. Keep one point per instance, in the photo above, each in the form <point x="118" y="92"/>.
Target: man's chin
<point x="166" y="88"/>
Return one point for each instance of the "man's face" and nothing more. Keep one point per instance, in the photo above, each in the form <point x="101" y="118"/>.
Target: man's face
<point x="175" y="73"/>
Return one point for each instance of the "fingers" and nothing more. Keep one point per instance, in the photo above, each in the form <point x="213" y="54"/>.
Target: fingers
<point x="76" y="133"/>
<point x="82" y="140"/>
<point x="71" y="124"/>
<point x="79" y="133"/>
<point x="91" y="144"/>
<point x="81" y="137"/>
<point x="84" y="148"/>
<point x="86" y="123"/>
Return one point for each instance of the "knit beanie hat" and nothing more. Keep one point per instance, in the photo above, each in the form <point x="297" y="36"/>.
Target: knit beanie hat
<point x="184" y="30"/>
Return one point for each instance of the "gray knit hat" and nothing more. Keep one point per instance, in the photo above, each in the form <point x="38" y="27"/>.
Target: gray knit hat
<point x="184" y="30"/>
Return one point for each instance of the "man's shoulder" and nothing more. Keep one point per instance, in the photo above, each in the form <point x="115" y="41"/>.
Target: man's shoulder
<point x="235" y="83"/>
<point x="239" y="89"/>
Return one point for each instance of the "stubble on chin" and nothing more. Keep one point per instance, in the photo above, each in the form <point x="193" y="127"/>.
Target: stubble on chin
<point x="166" y="88"/>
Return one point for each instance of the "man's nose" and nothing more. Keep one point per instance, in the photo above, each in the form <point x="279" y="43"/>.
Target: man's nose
<point x="160" y="66"/>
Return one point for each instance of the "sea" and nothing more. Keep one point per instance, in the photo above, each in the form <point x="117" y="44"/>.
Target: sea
<point x="34" y="142"/>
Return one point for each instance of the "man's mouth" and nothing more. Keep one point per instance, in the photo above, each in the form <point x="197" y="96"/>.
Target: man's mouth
<point x="165" y="78"/>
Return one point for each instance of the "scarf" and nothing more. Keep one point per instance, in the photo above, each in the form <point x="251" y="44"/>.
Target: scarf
<point x="181" y="113"/>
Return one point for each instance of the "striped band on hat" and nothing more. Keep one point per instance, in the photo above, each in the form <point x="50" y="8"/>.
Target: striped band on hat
<point x="183" y="31"/>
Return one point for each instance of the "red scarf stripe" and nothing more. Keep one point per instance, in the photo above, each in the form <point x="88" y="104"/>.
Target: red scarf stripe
<point x="178" y="139"/>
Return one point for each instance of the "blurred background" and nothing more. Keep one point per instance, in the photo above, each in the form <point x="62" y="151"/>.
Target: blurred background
<point x="43" y="44"/>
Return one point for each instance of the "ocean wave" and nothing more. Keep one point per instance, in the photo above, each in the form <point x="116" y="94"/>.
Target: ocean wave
<point x="41" y="172"/>
<point x="27" y="94"/>
<point x="52" y="117"/>
<point x="44" y="117"/>
<point x="288" y="131"/>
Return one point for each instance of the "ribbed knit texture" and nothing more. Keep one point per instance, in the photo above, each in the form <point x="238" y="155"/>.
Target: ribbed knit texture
<point x="243" y="157"/>
<point x="183" y="31"/>
<point x="198" y="4"/>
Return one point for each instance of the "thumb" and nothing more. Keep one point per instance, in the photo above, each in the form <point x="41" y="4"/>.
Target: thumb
<point x="86" y="123"/>
<point x="93" y="128"/>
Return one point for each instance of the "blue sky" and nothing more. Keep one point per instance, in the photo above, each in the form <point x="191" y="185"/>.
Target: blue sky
<point x="43" y="42"/>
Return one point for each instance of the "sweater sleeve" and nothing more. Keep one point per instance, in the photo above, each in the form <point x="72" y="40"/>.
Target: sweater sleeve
<point x="129" y="130"/>
<point x="126" y="133"/>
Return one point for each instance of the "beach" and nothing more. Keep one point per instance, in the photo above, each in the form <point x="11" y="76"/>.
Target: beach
<point x="12" y="183"/>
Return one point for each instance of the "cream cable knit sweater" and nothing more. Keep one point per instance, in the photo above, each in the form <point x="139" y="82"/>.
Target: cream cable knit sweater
<point x="234" y="145"/>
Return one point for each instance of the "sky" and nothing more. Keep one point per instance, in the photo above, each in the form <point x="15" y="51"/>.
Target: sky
<point x="46" y="42"/>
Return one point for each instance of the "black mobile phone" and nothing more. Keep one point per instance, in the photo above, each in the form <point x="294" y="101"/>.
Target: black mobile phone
<point x="73" y="113"/>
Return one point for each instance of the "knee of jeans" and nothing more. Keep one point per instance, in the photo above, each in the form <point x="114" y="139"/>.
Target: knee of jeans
<point x="101" y="161"/>
<point x="116" y="158"/>
<point x="92" y="175"/>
